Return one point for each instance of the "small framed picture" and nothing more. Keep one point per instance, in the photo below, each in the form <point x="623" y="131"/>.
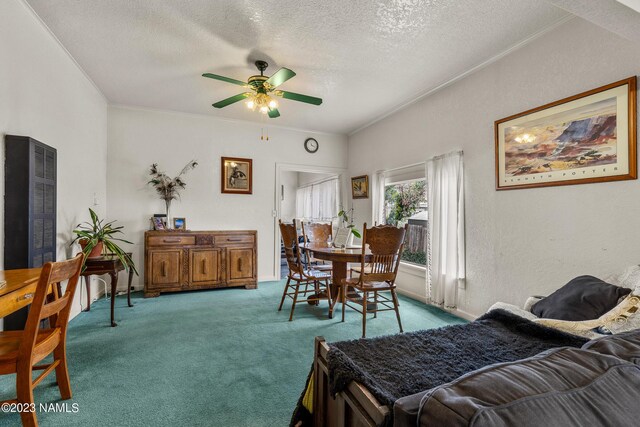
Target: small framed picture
<point x="236" y="175"/>
<point x="179" y="224"/>
<point x="157" y="223"/>
<point x="341" y="239"/>
<point x="360" y="187"/>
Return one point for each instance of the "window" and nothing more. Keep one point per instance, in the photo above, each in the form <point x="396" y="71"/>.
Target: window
<point x="318" y="202"/>
<point x="406" y="203"/>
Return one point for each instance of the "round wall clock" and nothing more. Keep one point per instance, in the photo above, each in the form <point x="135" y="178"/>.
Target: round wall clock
<point x="311" y="145"/>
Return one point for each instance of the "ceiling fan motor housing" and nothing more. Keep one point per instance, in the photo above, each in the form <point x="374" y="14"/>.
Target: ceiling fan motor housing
<point x="257" y="82"/>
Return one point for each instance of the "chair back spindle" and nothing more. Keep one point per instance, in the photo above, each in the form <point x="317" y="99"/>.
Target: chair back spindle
<point x="289" y="235"/>
<point x="385" y="242"/>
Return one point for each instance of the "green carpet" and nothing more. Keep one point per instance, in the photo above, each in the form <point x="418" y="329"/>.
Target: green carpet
<point x="211" y="358"/>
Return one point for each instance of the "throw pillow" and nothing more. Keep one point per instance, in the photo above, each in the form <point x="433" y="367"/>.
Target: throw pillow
<point x="583" y="298"/>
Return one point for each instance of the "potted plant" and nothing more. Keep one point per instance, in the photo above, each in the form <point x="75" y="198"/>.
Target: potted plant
<point x="347" y="219"/>
<point x="97" y="237"/>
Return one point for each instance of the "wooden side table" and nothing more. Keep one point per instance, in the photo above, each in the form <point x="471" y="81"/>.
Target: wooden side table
<point x="111" y="265"/>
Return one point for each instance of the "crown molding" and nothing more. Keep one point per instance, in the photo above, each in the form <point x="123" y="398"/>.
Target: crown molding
<point x="223" y="119"/>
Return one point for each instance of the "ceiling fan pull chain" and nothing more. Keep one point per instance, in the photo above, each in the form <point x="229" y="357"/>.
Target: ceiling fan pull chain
<point x="264" y="136"/>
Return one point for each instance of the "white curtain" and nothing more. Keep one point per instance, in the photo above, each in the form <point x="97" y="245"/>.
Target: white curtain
<point x="446" y="244"/>
<point x="318" y="202"/>
<point x="303" y="202"/>
<point x="377" y="198"/>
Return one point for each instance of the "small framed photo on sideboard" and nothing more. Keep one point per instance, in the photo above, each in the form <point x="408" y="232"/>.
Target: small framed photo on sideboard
<point x="158" y="224"/>
<point x="179" y="224"/>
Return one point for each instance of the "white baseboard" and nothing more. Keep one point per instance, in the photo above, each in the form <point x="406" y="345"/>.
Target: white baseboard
<point x="467" y="316"/>
<point x="412" y="295"/>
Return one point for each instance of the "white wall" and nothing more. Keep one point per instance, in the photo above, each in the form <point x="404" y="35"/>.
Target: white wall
<point x="519" y="242"/>
<point x="289" y="181"/>
<point x="43" y="94"/>
<point x="138" y="138"/>
<point x="305" y="178"/>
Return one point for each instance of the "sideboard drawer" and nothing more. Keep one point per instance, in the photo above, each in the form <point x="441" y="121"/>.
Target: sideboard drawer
<point x="172" y="240"/>
<point x="232" y="239"/>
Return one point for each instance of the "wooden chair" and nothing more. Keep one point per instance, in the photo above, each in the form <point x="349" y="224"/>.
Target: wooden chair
<point x="21" y="350"/>
<point x="357" y="268"/>
<point x="300" y="275"/>
<point x="385" y="243"/>
<point x="315" y="232"/>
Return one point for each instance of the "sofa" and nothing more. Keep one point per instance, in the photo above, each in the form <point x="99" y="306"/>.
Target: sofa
<point x="595" y="385"/>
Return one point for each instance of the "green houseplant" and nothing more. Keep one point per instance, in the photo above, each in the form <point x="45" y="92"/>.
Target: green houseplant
<point x="97" y="237"/>
<point x="347" y="218"/>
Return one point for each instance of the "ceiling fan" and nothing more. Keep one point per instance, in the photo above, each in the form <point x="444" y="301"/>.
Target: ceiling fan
<point x="262" y="90"/>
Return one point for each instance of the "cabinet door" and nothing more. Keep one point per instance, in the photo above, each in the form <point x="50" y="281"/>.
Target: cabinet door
<point x="165" y="268"/>
<point x="206" y="266"/>
<point x="240" y="263"/>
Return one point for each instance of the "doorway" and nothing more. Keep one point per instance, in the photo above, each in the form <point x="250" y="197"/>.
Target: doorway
<point x="296" y="197"/>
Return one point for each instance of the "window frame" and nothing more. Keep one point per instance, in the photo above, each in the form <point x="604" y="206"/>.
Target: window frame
<point x="407" y="264"/>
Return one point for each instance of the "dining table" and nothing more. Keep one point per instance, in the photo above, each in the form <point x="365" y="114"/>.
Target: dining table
<point x="340" y="259"/>
<point x="17" y="289"/>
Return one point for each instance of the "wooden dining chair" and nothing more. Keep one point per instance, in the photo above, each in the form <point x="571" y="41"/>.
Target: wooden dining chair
<point x="357" y="268"/>
<point x="385" y="243"/>
<point x="301" y="274"/>
<point x="315" y="232"/>
<point x="20" y="351"/>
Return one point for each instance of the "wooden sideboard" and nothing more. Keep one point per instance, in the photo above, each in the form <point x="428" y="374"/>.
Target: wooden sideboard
<point x="190" y="260"/>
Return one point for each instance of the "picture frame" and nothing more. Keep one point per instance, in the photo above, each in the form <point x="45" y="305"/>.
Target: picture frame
<point x="586" y="138"/>
<point x="158" y="224"/>
<point x="236" y="175"/>
<point x="341" y="239"/>
<point x="360" y="187"/>
<point x="179" y="224"/>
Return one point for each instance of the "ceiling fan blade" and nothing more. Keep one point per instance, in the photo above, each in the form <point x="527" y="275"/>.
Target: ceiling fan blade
<point x="231" y="100"/>
<point x="279" y="77"/>
<point x="273" y="113"/>
<point x="299" y="97"/>
<point x="225" y="79"/>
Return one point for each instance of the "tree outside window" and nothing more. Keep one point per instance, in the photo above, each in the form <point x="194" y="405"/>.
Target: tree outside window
<point x="406" y="203"/>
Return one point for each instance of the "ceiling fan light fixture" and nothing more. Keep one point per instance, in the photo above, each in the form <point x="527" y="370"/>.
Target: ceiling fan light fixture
<point x="262" y="89"/>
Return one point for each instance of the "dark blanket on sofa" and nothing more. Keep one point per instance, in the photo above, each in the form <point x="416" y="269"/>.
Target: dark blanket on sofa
<point x="395" y="366"/>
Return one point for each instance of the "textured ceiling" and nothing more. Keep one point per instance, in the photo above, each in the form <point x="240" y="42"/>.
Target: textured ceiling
<point x="609" y="14"/>
<point x="363" y="57"/>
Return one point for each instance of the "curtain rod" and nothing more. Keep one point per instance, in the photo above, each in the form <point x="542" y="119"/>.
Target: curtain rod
<point x="311" y="184"/>
<point x="401" y="167"/>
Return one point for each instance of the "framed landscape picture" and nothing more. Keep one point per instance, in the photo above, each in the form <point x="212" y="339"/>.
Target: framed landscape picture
<point x="360" y="187"/>
<point x="589" y="137"/>
<point x="179" y="224"/>
<point x="236" y="175"/>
